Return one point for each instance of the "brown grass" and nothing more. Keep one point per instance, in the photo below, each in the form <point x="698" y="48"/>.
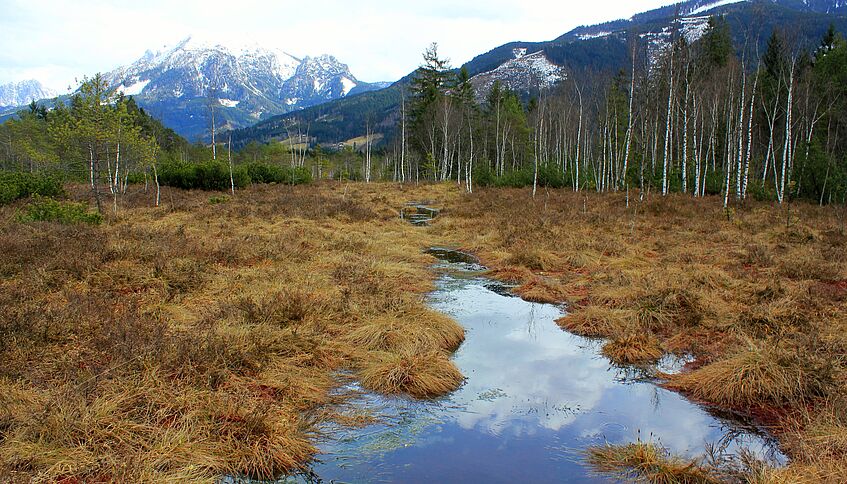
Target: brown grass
<point x="633" y="349"/>
<point x="759" y="374"/>
<point x="647" y="462"/>
<point x="409" y="333"/>
<point x="422" y="375"/>
<point x="197" y="340"/>
<point x="541" y="290"/>
<point x="595" y="321"/>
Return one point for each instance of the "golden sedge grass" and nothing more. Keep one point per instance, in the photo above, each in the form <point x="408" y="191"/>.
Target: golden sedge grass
<point x="422" y="375"/>
<point x="755" y="375"/>
<point x="194" y="341"/>
<point x="633" y="349"/>
<point x="647" y="462"/>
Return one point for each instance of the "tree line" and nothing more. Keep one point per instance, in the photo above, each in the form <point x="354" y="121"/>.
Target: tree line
<point x="99" y="136"/>
<point x="702" y="118"/>
<point x="104" y="139"/>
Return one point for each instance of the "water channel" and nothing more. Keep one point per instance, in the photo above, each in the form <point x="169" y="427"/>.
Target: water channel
<point x="535" y="397"/>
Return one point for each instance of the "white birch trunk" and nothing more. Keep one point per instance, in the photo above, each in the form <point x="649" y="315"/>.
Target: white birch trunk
<point x="786" y="151"/>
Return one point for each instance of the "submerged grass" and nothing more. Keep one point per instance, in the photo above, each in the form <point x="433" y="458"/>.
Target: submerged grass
<point x="647" y="462"/>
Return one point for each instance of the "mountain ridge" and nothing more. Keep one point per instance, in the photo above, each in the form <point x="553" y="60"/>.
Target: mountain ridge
<point x="600" y="47"/>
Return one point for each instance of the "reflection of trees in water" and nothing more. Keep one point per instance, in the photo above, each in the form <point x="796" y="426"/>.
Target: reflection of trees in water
<point x="656" y="399"/>
<point x="532" y="323"/>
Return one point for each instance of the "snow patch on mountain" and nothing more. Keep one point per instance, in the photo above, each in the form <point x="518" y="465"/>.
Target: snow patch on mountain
<point x="133" y="89"/>
<point x="658" y="43"/>
<point x="693" y="28"/>
<point x="713" y="5"/>
<point x="596" y="35"/>
<point x="530" y="72"/>
<point x="347" y="86"/>
<point x="249" y="79"/>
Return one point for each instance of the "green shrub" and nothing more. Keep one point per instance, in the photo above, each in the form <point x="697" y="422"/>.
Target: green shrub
<point x="548" y="176"/>
<point x="715" y="181"/>
<point x="267" y="173"/>
<point x="209" y="175"/>
<point x="214" y="175"/>
<point x="17" y="185"/>
<point x="49" y="210"/>
<point x="483" y="176"/>
<point x="136" y="178"/>
<point x="8" y="192"/>
<point x="514" y="179"/>
<point x="762" y="192"/>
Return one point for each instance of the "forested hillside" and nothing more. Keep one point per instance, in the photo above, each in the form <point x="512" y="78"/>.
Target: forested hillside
<point x="700" y="119"/>
<point x="703" y="118"/>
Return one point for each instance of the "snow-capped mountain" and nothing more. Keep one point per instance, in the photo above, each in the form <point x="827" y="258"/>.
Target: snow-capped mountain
<point x="319" y="77"/>
<point x="22" y="93"/>
<point x="245" y="84"/>
<point x="524" y="73"/>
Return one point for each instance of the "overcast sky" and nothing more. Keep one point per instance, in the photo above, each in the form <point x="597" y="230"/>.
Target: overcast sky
<point x="381" y="40"/>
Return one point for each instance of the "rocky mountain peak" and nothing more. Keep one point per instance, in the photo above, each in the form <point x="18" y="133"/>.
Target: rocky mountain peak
<point x="24" y="92"/>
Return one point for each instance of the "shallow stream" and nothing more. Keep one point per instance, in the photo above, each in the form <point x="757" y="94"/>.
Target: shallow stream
<point x="535" y="397"/>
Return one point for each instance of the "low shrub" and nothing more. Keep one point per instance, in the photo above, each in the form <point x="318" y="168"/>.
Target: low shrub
<point x="267" y="173"/>
<point x="215" y="175"/>
<point x="548" y="176"/>
<point x="49" y="210"/>
<point x="210" y="175"/>
<point x="136" y="178"/>
<point x="17" y="185"/>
